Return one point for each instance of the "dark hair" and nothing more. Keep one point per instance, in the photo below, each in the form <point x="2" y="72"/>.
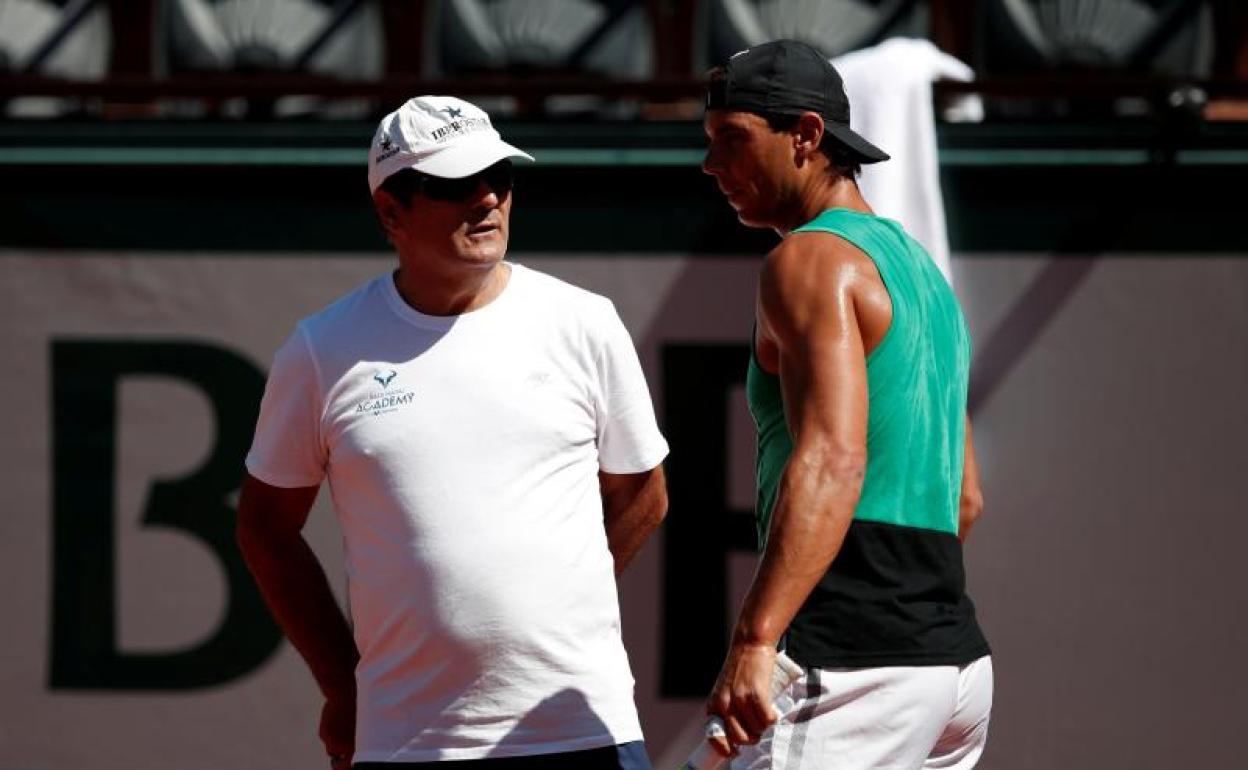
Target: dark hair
<point x="842" y="159"/>
<point x="402" y="186"/>
<point x="715" y="77"/>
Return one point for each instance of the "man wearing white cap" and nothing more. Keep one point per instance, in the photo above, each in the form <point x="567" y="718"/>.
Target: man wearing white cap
<point x="494" y="460"/>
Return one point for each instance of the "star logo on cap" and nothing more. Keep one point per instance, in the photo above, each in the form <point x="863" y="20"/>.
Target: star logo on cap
<point x="453" y="112"/>
<point x="386" y="144"/>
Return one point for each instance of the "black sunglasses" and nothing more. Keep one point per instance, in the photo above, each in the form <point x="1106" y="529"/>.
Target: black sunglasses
<point x="498" y="178"/>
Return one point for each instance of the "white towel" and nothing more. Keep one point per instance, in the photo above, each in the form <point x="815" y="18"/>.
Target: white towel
<point x="890" y="95"/>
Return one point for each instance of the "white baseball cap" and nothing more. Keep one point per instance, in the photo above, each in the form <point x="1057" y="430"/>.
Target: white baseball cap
<point x="436" y="135"/>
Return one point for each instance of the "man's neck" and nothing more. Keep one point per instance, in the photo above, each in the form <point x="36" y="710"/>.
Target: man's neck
<point x="841" y="193"/>
<point x="446" y="295"/>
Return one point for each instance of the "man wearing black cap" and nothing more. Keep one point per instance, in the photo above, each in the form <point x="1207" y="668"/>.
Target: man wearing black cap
<point x="867" y="483"/>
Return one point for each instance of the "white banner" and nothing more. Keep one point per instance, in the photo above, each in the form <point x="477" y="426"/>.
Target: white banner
<point x="1111" y="429"/>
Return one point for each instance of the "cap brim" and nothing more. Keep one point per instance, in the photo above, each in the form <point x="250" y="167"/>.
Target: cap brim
<point x="467" y="157"/>
<point x="864" y="150"/>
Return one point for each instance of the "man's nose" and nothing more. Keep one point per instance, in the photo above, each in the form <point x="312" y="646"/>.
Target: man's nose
<point x="709" y="163"/>
<point x="485" y="196"/>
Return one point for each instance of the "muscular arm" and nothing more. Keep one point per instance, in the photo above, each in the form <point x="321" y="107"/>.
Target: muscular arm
<point x="633" y="505"/>
<point x="971" y="500"/>
<point x="269" y="533"/>
<point x="807" y="309"/>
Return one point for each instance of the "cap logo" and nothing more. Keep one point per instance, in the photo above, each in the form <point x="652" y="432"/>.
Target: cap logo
<point x="388" y="148"/>
<point x="453" y="112"/>
<point x="459" y="128"/>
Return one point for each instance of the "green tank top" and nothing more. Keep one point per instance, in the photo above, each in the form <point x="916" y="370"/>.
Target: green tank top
<point x="917" y="383"/>
<point x="895" y="595"/>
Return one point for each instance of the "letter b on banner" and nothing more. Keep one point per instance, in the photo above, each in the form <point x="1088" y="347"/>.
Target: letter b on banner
<point x="697" y="381"/>
<point x="85" y="376"/>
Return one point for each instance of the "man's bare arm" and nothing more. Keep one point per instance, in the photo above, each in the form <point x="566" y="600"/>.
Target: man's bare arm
<point x="293" y="583"/>
<point x="971" y="500"/>
<point x="806" y="308"/>
<point x="633" y="505"/>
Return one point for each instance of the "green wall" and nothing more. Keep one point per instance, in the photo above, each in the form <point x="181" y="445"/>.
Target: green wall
<point x="1129" y="186"/>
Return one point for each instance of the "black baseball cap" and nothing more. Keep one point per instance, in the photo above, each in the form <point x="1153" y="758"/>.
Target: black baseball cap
<point x="787" y="77"/>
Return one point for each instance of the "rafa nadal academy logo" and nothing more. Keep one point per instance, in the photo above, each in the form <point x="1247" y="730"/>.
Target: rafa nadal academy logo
<point x="384" y="400"/>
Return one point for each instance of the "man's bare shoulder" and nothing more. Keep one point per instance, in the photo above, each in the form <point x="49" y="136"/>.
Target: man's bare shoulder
<point x="814" y="262"/>
<point x="811" y="277"/>
<point x="826" y="249"/>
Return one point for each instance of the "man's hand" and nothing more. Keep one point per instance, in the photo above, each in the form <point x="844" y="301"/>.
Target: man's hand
<point x="270" y="525"/>
<point x="742" y="694"/>
<point x="338" y="730"/>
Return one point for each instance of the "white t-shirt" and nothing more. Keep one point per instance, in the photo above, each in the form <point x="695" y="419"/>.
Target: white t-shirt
<point x="462" y="454"/>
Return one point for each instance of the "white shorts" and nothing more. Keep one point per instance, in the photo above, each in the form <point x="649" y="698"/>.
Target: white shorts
<point x="889" y="718"/>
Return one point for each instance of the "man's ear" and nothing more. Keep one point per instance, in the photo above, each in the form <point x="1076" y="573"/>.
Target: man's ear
<point x="389" y="212"/>
<point x="807" y="135"/>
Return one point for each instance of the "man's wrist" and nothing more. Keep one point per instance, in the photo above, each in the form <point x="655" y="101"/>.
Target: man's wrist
<point x="754" y="635"/>
<point x="339" y="686"/>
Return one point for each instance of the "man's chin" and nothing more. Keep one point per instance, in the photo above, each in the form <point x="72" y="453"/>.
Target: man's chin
<point x="751" y="219"/>
<point x="488" y="249"/>
<point x="483" y="257"/>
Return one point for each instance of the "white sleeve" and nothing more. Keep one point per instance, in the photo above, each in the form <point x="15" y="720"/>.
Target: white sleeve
<point x="629" y="440"/>
<point x="287" y="450"/>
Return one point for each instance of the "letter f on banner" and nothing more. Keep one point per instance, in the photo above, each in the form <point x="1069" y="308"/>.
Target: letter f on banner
<point x="84" y="654"/>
